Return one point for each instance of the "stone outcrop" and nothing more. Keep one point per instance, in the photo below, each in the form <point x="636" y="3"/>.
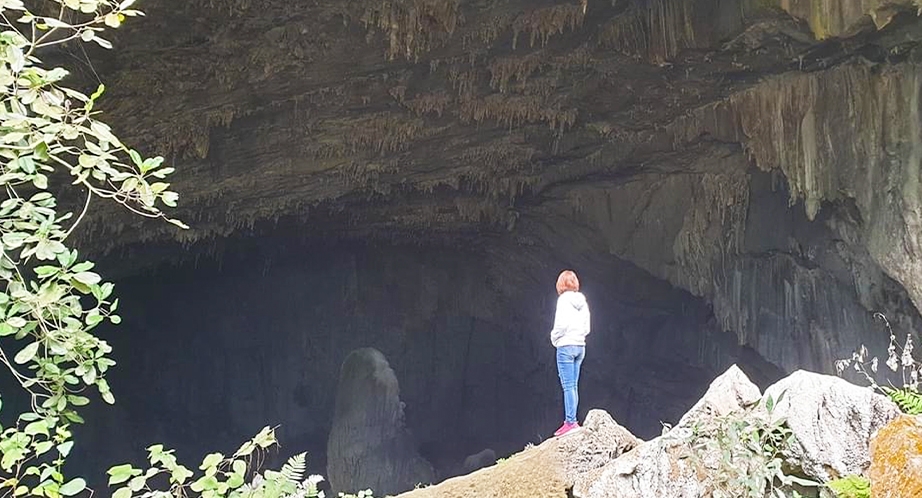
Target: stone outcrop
<point x="730" y="392"/>
<point x="369" y="445"/>
<point x="833" y="421"/>
<point x="548" y="470"/>
<point x="896" y="459"/>
<point x="662" y="466"/>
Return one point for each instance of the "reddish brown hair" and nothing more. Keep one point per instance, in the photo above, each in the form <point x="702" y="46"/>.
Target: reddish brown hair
<point x="567" y="281"/>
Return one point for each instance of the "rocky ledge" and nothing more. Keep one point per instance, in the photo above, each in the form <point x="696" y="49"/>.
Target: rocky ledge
<point x="824" y="428"/>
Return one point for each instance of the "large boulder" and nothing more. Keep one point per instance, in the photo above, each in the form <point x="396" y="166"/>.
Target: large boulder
<point x="600" y="441"/>
<point x="369" y="445"/>
<point x="730" y="392"/>
<point x="656" y="469"/>
<point x="548" y="470"/>
<point x="833" y="421"/>
<point x="662" y="467"/>
<point x="896" y="459"/>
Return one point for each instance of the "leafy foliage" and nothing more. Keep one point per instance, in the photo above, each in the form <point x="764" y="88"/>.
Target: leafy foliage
<point x="743" y="454"/>
<point x="853" y="486"/>
<point x="899" y="359"/>
<point x="220" y="476"/>
<point x="909" y="400"/>
<point x="294" y="468"/>
<point x="52" y="300"/>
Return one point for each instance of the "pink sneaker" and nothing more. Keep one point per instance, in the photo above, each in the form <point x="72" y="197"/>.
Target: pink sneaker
<point x="565" y="428"/>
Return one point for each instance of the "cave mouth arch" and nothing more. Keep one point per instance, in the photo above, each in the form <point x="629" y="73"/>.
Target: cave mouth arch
<point x="216" y="347"/>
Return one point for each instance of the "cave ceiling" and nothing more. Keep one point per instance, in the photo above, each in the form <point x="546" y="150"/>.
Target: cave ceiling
<point x="640" y="125"/>
<point x="428" y="114"/>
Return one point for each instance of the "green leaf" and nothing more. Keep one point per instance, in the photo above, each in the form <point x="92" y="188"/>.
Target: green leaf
<point x="27" y="353"/>
<point x="121" y="473"/>
<point x="81" y="267"/>
<point x="40" y="181"/>
<point x="212" y="460"/>
<point x="122" y="493"/>
<point x="13" y="240"/>
<point x="135" y="157"/>
<point x="44" y="271"/>
<point x="73" y="487"/>
<point x="204" y="483"/>
<point x="43" y="447"/>
<point x="87" y="278"/>
<point x="180" y="474"/>
<point x="235" y="481"/>
<point x="94" y="318"/>
<point x="137" y="483"/>
<point x="65" y="447"/>
<point x="36" y="428"/>
<point x="79" y="400"/>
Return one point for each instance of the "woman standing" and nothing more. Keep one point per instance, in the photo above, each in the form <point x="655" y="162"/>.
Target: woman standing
<point x="571" y="326"/>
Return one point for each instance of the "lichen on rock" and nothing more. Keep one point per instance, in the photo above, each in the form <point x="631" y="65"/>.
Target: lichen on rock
<point x="896" y="459"/>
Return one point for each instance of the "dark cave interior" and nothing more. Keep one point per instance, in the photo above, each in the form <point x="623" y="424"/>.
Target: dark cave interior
<point x="215" y="349"/>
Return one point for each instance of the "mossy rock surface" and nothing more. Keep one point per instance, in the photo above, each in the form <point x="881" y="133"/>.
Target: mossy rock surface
<point x="896" y="459"/>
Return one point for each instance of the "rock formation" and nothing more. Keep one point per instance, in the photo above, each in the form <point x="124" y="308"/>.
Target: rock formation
<point x="896" y="459"/>
<point x="671" y="466"/>
<point x="833" y="421"/>
<point x="369" y="445"/>
<point x="548" y="470"/>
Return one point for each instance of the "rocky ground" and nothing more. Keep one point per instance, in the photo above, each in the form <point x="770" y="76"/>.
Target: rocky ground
<point x="838" y="429"/>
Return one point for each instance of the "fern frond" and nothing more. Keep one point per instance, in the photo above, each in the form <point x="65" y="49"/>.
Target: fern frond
<point x="908" y="400"/>
<point x="293" y="470"/>
<point x="852" y="486"/>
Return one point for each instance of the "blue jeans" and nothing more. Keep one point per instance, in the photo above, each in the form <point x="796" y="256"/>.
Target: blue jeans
<point x="569" y="359"/>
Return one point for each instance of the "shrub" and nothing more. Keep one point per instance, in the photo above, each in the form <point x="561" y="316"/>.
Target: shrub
<point x="750" y="455"/>
<point x="899" y="360"/>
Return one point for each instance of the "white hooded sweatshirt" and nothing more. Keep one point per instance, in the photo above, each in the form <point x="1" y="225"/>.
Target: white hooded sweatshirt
<point x="571" y="322"/>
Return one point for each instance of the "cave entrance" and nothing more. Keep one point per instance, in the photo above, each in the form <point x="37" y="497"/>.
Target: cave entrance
<point x="213" y="350"/>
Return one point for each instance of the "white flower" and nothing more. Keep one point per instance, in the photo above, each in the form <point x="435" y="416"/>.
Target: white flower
<point x="874" y="365"/>
<point x="314" y="480"/>
<point x="906" y="359"/>
<point x="892" y="360"/>
<point x="320" y="494"/>
<point x="841" y="365"/>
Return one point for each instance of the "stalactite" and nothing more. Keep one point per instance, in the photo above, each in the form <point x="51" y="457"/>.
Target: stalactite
<point x="515" y="110"/>
<point x="412" y="27"/>
<point x="428" y="103"/>
<point x="541" y="24"/>
<point x="506" y="69"/>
